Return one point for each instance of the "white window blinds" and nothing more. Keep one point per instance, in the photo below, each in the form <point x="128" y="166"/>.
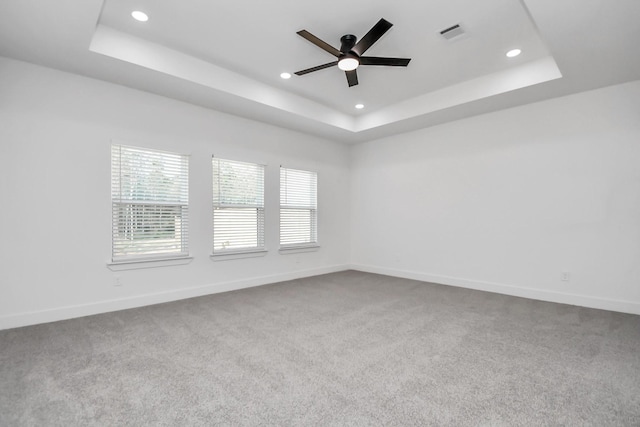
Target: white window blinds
<point x="150" y="198"/>
<point x="298" y="207"/>
<point x="238" y="206"/>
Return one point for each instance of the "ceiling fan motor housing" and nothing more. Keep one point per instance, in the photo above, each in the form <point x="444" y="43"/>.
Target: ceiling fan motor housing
<point x="347" y="41"/>
<point x="348" y="60"/>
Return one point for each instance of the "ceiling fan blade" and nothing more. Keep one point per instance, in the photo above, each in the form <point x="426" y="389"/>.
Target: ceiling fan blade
<point x="321" y="44"/>
<point x="319" y="67"/>
<point x="393" y="62"/>
<point x="372" y="36"/>
<point x="352" y="77"/>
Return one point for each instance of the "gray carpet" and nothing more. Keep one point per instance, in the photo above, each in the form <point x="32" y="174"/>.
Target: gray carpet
<point x="343" y="349"/>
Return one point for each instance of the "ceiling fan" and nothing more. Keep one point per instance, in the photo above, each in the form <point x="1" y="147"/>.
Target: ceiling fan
<point x="350" y="53"/>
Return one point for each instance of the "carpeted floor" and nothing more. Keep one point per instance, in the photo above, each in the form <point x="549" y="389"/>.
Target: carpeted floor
<point x="343" y="349"/>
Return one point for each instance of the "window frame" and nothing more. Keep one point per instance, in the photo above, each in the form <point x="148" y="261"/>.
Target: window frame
<point x="178" y="164"/>
<point x="285" y="204"/>
<point x="244" y="252"/>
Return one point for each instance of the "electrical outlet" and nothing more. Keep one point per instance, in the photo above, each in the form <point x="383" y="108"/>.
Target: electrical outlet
<point x="117" y="280"/>
<point x="565" y="276"/>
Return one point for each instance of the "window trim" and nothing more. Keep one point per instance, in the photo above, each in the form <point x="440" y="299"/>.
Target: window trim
<point x="239" y="254"/>
<point x="291" y="249"/>
<point x="251" y="252"/>
<point x="299" y="247"/>
<point x="126" y="262"/>
<point x="139" y="263"/>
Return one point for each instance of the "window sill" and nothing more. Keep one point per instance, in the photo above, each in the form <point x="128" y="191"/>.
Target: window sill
<point x="298" y="249"/>
<point x="147" y="263"/>
<point x="238" y="255"/>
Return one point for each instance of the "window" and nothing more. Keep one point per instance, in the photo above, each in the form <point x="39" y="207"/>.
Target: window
<point x="149" y="196"/>
<point x="298" y="208"/>
<point x="238" y="206"/>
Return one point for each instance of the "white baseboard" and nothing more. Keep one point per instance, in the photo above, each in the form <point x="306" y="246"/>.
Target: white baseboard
<point x="499" y="288"/>
<point x="70" y="312"/>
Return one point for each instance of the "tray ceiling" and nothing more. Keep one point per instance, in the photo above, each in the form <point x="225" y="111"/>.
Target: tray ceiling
<point x="229" y="55"/>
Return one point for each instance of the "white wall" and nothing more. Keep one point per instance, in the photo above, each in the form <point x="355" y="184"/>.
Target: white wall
<point x="502" y="202"/>
<point x="55" y="134"/>
<point x="507" y="201"/>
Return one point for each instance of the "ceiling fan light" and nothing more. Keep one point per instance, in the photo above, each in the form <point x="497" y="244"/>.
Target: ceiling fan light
<point x="348" y="64"/>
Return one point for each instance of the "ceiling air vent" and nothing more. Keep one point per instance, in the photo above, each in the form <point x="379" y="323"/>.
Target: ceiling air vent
<point x="452" y="32"/>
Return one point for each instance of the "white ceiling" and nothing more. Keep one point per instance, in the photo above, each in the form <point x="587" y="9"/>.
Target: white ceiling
<point x="228" y="55"/>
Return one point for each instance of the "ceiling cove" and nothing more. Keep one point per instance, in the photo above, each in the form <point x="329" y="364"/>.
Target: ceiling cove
<point x="220" y="56"/>
<point x="446" y="72"/>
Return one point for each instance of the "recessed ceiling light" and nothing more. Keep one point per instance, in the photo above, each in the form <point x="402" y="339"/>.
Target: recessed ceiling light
<point x="359" y="106"/>
<point x="139" y="16"/>
<point x="513" y="53"/>
<point x="285" y="76"/>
